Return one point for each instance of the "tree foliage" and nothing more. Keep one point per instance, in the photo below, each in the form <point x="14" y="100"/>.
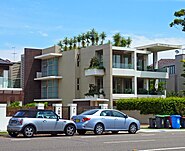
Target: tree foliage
<point x="179" y="20"/>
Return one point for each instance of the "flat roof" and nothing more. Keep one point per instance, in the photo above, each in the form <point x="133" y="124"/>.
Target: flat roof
<point x="48" y="56"/>
<point x="157" y="47"/>
<point x="48" y="78"/>
<point x="91" y="99"/>
<point x="49" y="100"/>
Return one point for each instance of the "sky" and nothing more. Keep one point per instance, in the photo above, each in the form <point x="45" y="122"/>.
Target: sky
<point x="42" y="23"/>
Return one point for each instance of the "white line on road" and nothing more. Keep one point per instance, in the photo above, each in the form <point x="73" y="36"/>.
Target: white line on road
<point x="20" y="139"/>
<point x="173" y="148"/>
<point x="133" y="141"/>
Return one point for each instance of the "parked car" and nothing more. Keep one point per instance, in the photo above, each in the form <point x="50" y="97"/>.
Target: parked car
<point x="30" y="122"/>
<point x="100" y="120"/>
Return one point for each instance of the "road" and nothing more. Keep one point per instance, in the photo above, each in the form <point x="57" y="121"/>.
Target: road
<point x="173" y="141"/>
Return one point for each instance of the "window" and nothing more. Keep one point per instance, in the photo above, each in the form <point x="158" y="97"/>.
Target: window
<point x="49" y="89"/>
<point x="78" y="60"/>
<point x="26" y="113"/>
<point x="117" y="114"/>
<point x="50" y="67"/>
<point x="106" y="113"/>
<point x="90" y="112"/>
<point x="46" y="114"/>
<point x="78" y="83"/>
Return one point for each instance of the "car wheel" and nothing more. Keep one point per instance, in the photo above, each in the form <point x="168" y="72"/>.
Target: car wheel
<point x="81" y="132"/>
<point x="13" y="134"/>
<point x="132" y="128"/>
<point x="98" y="129"/>
<point x="70" y="130"/>
<point x="28" y="131"/>
<point x="115" y="132"/>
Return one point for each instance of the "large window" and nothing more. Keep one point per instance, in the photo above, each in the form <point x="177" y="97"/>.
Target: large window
<point x="122" y="85"/>
<point x="50" y="67"/>
<point x="49" y="89"/>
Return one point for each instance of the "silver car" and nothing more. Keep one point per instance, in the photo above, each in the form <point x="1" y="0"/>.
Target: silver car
<point x="100" y="120"/>
<point x="30" y="122"/>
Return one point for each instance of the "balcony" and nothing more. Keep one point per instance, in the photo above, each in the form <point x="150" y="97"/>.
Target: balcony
<point x="123" y="65"/>
<point x="48" y="56"/>
<point x="51" y="77"/>
<point x="94" y="72"/>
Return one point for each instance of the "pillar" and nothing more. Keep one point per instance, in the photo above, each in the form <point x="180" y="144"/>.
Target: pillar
<point x="58" y="109"/>
<point x="3" y="110"/>
<point x="103" y="106"/>
<point x="73" y="109"/>
<point x="40" y="106"/>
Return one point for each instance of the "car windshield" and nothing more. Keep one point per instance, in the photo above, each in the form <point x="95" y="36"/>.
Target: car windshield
<point x="29" y="114"/>
<point x="89" y="112"/>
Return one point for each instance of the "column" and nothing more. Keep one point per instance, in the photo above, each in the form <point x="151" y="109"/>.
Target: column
<point x="146" y="84"/>
<point x="3" y="110"/>
<point x="40" y="106"/>
<point x="135" y="85"/>
<point x="73" y="109"/>
<point x="103" y="106"/>
<point x="155" y="60"/>
<point x="58" y="109"/>
<point x="135" y="60"/>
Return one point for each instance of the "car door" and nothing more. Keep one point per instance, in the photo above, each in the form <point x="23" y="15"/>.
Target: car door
<point x="107" y="119"/>
<point x="120" y="120"/>
<point x="50" y="121"/>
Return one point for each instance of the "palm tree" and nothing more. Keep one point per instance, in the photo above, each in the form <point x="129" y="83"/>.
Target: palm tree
<point x="79" y="40"/>
<point x="60" y="43"/>
<point x="102" y="36"/>
<point x="129" y="41"/>
<point x="117" y="39"/>
<point x="123" y="42"/>
<point x="74" y="42"/>
<point x="87" y="36"/>
<point x="92" y="35"/>
<point x="65" y="41"/>
<point x="96" y="38"/>
<point x="70" y="43"/>
<point x="83" y="40"/>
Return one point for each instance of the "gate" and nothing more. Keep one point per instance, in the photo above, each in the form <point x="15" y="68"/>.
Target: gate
<point x="66" y="112"/>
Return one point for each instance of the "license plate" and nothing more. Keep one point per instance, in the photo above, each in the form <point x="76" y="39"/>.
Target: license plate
<point x="77" y="120"/>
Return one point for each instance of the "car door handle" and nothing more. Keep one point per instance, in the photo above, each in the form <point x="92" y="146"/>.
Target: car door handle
<point x="102" y="118"/>
<point x="44" y="121"/>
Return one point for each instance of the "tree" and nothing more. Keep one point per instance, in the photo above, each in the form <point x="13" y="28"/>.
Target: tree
<point x="96" y="38"/>
<point x="60" y="43"/>
<point x="129" y="41"/>
<point x="65" y="43"/>
<point x="79" y="40"/>
<point x="87" y="37"/>
<point x="179" y="20"/>
<point x="74" y="42"/>
<point x="92" y="36"/>
<point x="83" y="40"/>
<point x="70" y="43"/>
<point x="117" y="39"/>
<point x="102" y="36"/>
<point x="123" y="42"/>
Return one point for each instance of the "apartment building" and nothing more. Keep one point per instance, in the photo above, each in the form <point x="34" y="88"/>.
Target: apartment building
<point x="70" y="76"/>
<point x="8" y="93"/>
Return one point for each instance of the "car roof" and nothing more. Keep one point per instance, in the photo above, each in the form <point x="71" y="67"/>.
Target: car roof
<point x="36" y="110"/>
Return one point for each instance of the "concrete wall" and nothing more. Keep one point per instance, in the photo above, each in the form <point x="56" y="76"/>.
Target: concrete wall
<point x="3" y="119"/>
<point x="144" y="119"/>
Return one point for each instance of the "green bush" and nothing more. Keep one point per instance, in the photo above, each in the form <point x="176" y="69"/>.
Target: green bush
<point x="171" y="105"/>
<point x="15" y="104"/>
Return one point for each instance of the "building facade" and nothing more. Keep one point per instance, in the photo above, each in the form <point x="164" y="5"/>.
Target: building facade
<point x="98" y="74"/>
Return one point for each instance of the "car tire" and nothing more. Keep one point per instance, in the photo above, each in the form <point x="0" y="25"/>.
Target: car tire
<point x="28" y="131"/>
<point x="132" y="128"/>
<point x="98" y="130"/>
<point x="81" y="132"/>
<point x="115" y="132"/>
<point x="70" y="130"/>
<point x="13" y="134"/>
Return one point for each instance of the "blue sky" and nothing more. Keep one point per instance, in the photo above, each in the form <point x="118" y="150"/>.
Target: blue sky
<point x="42" y="23"/>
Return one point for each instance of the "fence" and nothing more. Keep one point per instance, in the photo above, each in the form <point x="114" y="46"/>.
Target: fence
<point x="65" y="112"/>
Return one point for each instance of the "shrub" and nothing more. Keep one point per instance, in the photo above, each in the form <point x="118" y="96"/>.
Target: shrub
<point x="171" y="105"/>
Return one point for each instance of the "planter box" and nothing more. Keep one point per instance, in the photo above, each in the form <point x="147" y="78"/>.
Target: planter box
<point x="94" y="72"/>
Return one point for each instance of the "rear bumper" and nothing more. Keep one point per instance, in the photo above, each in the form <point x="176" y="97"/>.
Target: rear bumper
<point x="83" y="126"/>
<point x="14" y="128"/>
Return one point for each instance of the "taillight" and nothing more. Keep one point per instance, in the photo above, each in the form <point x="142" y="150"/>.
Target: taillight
<point x="85" y="119"/>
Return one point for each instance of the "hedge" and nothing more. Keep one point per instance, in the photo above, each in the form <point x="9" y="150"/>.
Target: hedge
<point x="171" y="105"/>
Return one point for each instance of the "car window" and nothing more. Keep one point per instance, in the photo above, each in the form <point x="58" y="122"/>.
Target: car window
<point x="46" y="114"/>
<point x="89" y="112"/>
<point x="117" y="114"/>
<point x="26" y="113"/>
<point x="106" y="113"/>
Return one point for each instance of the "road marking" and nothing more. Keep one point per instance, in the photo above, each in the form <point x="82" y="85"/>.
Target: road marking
<point x="88" y="137"/>
<point x="20" y="139"/>
<point x="133" y="141"/>
<point x="173" y="148"/>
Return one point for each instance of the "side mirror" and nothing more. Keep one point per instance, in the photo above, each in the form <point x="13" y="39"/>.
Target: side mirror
<point x="126" y="116"/>
<point x="58" y="118"/>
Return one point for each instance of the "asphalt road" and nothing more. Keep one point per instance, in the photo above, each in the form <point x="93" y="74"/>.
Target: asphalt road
<point x="142" y="141"/>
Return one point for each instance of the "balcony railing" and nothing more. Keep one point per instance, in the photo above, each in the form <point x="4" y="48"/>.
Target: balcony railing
<point x="9" y="83"/>
<point x="124" y="91"/>
<point x="123" y="65"/>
